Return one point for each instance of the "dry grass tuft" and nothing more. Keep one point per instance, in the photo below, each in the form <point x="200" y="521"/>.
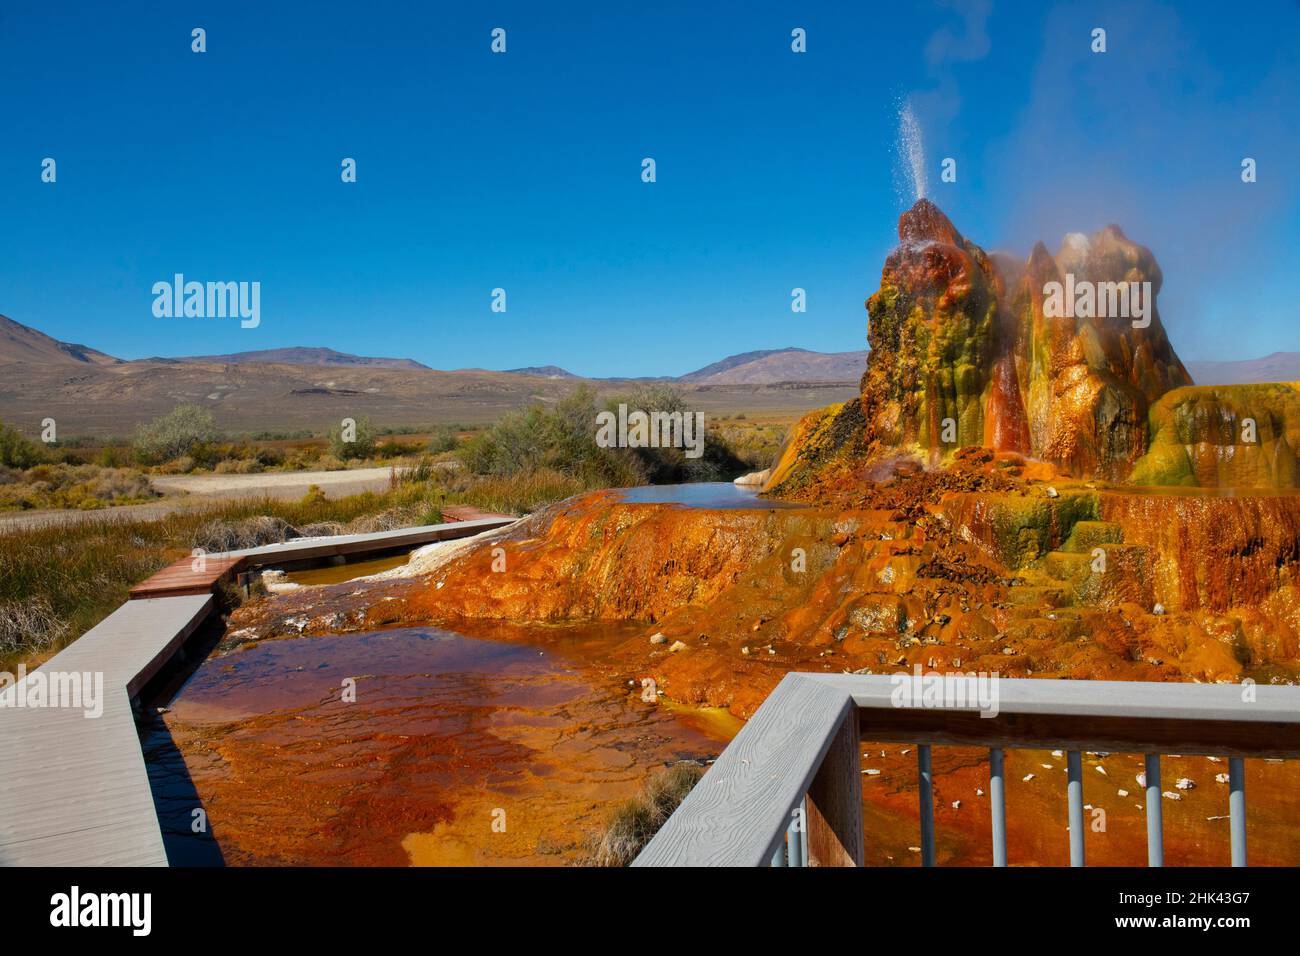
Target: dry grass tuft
<point x="632" y="824"/>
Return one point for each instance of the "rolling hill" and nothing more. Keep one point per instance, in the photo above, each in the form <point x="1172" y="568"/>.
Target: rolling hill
<point x="1278" y="367"/>
<point x="93" y="394"/>
<point x="297" y="355"/>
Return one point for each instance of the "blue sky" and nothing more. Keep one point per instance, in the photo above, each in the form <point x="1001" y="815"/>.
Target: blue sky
<point x="522" y="170"/>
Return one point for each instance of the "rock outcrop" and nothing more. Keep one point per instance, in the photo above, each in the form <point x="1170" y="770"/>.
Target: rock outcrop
<point x="1059" y="358"/>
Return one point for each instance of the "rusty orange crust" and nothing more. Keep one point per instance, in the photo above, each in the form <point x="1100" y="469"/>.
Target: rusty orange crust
<point x="923" y="570"/>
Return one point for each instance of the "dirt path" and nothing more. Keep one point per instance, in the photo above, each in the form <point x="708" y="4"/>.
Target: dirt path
<point x="191" y="492"/>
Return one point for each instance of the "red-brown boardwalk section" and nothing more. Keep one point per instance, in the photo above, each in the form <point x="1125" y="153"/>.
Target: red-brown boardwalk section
<point x="74" y="790"/>
<point x="202" y="575"/>
<point x="187" y="576"/>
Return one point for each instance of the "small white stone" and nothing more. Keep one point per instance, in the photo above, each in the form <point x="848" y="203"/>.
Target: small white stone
<point x="1027" y="777"/>
<point x="1101" y="770"/>
<point x="1185" y="783"/>
<point x="1123" y="793"/>
<point x="1141" y="779"/>
<point x="956" y="804"/>
<point x="1220" y="778"/>
<point x="1171" y="795"/>
<point x="1058" y="753"/>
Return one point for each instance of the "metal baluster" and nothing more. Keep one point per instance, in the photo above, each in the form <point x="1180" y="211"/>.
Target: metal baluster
<point x="1074" y="790"/>
<point x="925" y="792"/>
<point x="1237" y="808"/>
<point x="998" y="805"/>
<point x="778" y="858"/>
<point x="1155" y="828"/>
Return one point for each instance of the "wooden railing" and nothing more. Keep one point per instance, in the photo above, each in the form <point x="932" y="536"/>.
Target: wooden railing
<point x="788" y="790"/>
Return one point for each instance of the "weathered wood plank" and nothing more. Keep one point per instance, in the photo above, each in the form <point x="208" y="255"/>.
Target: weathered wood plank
<point x="1089" y="698"/>
<point x="834" y="806"/>
<point x="1125" y="716"/>
<point x="180" y="578"/>
<point x="346" y="544"/>
<point x="75" y="790"/>
<point x="738" y="812"/>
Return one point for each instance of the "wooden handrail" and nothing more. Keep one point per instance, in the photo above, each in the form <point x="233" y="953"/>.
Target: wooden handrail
<point x="800" y="753"/>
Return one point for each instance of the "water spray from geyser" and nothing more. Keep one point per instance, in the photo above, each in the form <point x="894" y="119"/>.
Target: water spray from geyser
<point x="911" y="154"/>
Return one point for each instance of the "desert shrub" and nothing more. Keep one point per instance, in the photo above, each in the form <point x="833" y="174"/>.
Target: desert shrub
<point x="321" y="529"/>
<point x="112" y="484"/>
<point x="362" y="445"/>
<point x="443" y="439"/>
<point x="563" y="439"/>
<point x="28" y="625"/>
<point x="177" y="466"/>
<point x="315" y="496"/>
<point x="185" y="430"/>
<point x="670" y="465"/>
<point x="72" y="486"/>
<point x="113" y="456"/>
<point x="560" y="439"/>
<point x="232" y="535"/>
<point x="397" y="449"/>
<point x="238" y="466"/>
<point x="634" y="822"/>
<point x="420" y="471"/>
<point x="17" y="450"/>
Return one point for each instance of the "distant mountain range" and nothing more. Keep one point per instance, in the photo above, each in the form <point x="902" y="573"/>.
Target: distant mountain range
<point x="1278" y="367"/>
<point x="91" y="392"/>
<point x="781" y="365"/>
<point x="543" y="371"/>
<point x="20" y="343"/>
<point x="295" y="356"/>
<point x="764" y="367"/>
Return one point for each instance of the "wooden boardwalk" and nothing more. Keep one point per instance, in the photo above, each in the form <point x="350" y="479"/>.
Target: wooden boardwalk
<point x="74" y="790"/>
<point x="182" y="577"/>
